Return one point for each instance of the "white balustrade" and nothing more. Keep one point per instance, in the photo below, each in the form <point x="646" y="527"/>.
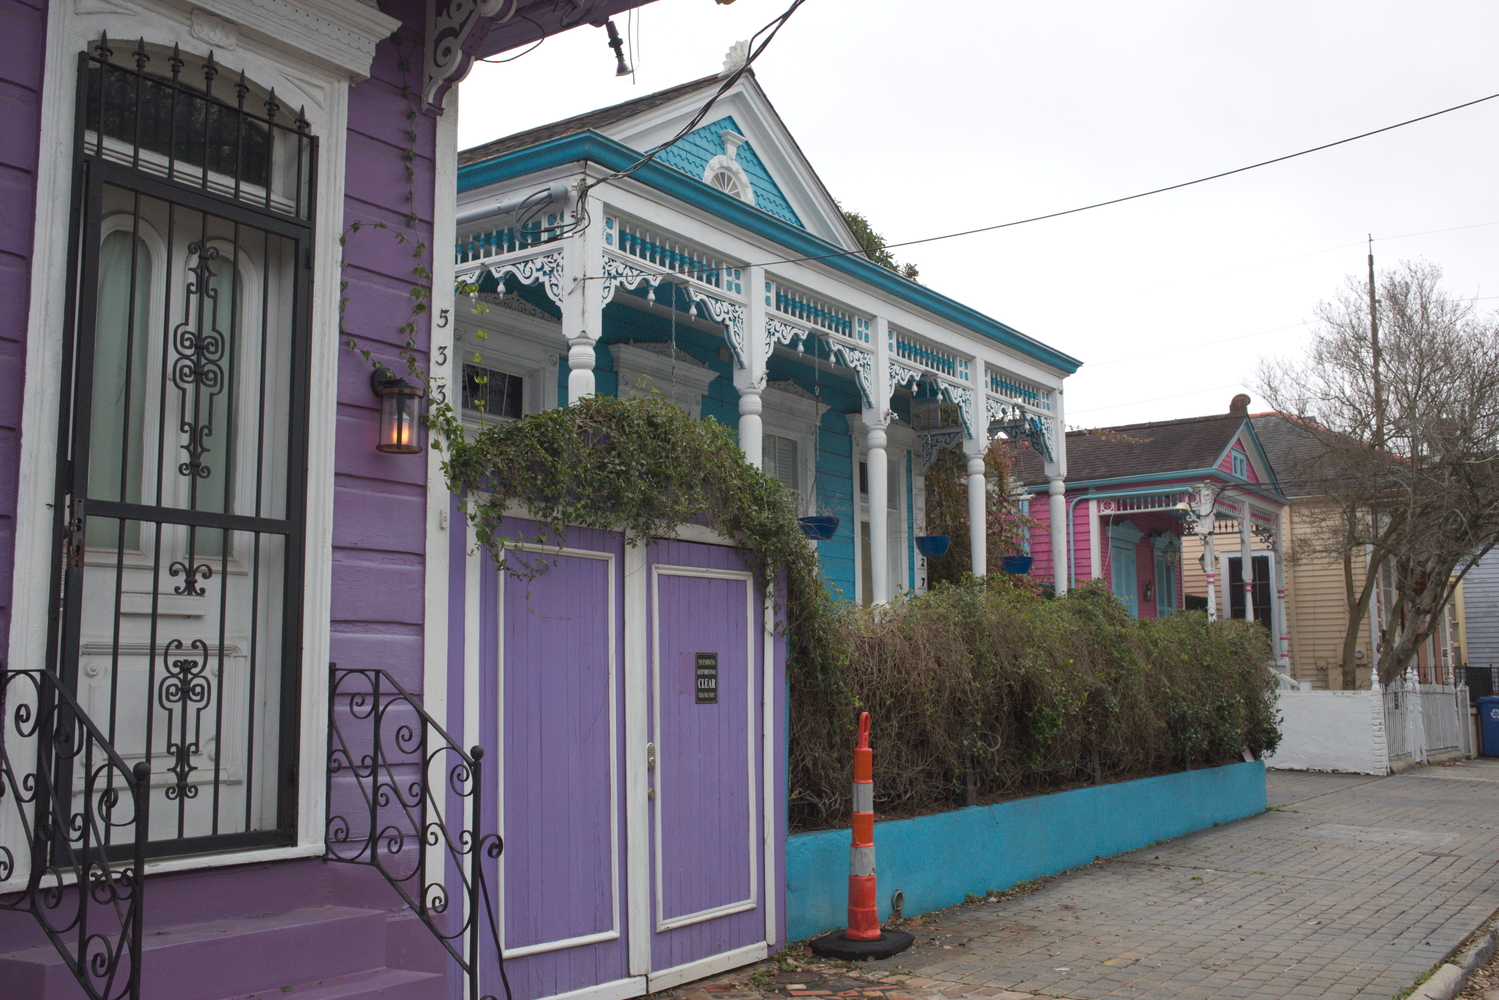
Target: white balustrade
<point x="661" y="251"/>
<point x="928" y="355"/>
<point x="811" y="310"/>
<point x="1016" y="389"/>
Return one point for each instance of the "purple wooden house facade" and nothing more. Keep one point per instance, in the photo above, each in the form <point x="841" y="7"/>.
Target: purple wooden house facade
<point x="194" y="522"/>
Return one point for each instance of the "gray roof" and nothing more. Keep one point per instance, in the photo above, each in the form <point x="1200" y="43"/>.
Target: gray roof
<point x="592" y="120"/>
<point x="1154" y="449"/>
<point x="1289" y="446"/>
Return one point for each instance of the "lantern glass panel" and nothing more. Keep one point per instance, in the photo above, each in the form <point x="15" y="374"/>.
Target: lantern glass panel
<point x="400" y="420"/>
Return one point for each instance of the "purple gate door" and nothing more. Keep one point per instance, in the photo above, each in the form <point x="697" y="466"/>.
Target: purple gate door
<point x="626" y="689"/>
<point x="561" y="806"/>
<point x="705" y="766"/>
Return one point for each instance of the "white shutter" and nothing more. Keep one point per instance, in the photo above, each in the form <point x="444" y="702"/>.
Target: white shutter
<point x="780" y="461"/>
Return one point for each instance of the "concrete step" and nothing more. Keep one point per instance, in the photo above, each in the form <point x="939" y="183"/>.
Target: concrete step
<point x="387" y="984"/>
<point x="224" y="958"/>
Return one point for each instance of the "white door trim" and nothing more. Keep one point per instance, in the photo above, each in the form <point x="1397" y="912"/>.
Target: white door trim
<point x="301" y="79"/>
<point x="712" y="965"/>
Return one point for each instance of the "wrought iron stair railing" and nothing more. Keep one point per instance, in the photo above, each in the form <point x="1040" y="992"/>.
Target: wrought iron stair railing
<point x="413" y="781"/>
<point x="85" y="816"/>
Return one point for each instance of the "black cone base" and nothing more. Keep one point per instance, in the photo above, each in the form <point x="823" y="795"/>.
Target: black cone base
<point x="835" y="945"/>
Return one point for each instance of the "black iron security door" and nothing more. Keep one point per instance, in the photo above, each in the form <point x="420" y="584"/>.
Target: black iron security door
<point x="181" y="492"/>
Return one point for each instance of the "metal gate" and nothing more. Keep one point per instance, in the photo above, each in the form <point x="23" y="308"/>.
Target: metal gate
<point x="180" y="493"/>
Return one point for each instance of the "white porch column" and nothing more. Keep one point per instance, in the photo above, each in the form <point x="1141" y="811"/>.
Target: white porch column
<point x="1210" y="566"/>
<point x="974" y="448"/>
<point x="750" y="381"/>
<point x="1246" y="562"/>
<point x="580" y="368"/>
<point x="582" y="309"/>
<point x="751" y="428"/>
<point x="879" y="517"/>
<point x="1056" y="491"/>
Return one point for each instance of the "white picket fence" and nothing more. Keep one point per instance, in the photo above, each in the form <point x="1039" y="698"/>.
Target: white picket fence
<point x="1424" y="720"/>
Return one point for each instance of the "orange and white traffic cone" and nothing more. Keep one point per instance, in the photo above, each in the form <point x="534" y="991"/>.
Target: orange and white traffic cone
<point x="864" y="938"/>
<point x="863" y="899"/>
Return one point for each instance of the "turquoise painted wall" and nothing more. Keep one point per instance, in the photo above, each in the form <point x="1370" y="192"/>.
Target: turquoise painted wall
<point x="936" y="860"/>
<point x="835" y="496"/>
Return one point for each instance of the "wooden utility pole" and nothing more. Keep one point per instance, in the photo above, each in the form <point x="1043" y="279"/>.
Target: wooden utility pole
<point x="1374" y="345"/>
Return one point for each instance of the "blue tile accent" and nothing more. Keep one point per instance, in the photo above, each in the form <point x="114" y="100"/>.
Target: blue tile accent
<point x="692" y="152"/>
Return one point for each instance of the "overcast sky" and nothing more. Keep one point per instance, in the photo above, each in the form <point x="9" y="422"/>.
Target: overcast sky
<point x="933" y="118"/>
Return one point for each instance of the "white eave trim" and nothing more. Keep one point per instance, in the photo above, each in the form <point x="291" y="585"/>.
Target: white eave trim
<point x="343" y="33"/>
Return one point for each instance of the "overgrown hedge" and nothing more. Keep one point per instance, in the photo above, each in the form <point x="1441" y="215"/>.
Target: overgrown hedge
<point x="1029" y="695"/>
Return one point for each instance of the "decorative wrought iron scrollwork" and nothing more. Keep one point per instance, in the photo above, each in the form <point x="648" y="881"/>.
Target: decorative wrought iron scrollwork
<point x="81" y="806"/>
<point x="198" y="370"/>
<point x="418" y="814"/>
<point x="190" y="573"/>
<point x="184" y="689"/>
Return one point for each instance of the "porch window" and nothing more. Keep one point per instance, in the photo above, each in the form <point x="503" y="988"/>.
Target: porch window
<point x="493" y="393"/>
<point x="1261" y="595"/>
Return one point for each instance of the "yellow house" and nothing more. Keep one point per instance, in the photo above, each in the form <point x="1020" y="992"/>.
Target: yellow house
<point x="1316" y="606"/>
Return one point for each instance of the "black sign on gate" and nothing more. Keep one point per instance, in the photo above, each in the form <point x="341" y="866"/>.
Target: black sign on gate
<point x="707" y="678"/>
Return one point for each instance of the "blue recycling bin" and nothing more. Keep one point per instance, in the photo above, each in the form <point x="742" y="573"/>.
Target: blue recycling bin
<point x="1488" y="722"/>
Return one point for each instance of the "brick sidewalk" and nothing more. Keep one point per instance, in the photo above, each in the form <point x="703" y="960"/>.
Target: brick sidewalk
<point x="1349" y="887"/>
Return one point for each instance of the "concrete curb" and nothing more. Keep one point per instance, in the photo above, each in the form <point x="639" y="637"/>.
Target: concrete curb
<point x="1449" y="979"/>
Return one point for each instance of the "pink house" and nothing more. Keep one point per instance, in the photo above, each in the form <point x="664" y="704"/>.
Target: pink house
<point x="1134" y="491"/>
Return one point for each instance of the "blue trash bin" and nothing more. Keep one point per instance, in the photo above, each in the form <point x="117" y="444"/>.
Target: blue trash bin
<point x="1488" y="722"/>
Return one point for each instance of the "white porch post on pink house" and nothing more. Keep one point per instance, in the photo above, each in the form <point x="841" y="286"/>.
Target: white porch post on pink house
<point x="1056" y="489"/>
<point x="1246" y="561"/>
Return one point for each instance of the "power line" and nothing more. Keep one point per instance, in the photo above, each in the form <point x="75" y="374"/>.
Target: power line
<point x="1345" y="246"/>
<point x="1142" y="194"/>
<point x="773" y="27"/>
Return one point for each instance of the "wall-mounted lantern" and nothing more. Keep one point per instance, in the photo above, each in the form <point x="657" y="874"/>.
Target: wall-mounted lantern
<point x="400" y="413"/>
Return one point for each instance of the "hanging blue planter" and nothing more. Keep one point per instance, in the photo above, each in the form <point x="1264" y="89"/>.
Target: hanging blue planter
<point x="932" y="545"/>
<point x="820" y="528"/>
<point x="1017" y="564"/>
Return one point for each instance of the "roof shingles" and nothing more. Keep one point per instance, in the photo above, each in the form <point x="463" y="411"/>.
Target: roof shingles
<point x="600" y="119"/>
<point x="1153" y="449"/>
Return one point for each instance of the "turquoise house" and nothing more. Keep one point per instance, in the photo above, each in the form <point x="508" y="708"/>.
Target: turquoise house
<point x="721" y="273"/>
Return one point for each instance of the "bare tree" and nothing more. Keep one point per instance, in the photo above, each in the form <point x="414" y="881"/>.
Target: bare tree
<point x="1403" y="450"/>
